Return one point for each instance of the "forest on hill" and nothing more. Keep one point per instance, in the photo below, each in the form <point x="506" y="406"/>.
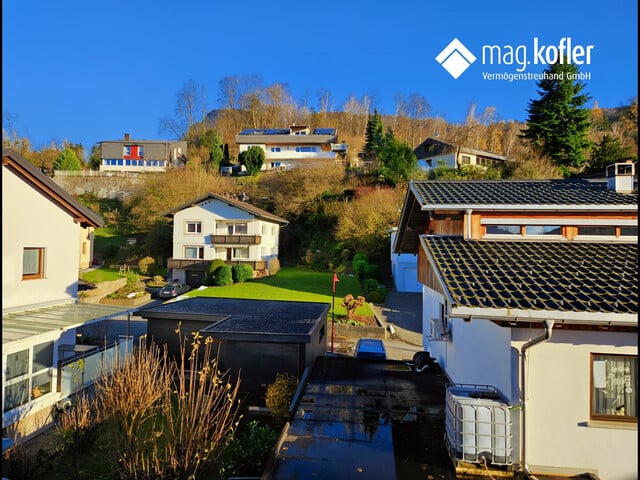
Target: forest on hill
<point x="333" y="212"/>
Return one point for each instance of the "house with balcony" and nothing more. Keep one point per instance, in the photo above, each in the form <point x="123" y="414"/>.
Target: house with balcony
<point x="141" y="156"/>
<point x="213" y="227"/>
<point x="296" y="145"/>
<point x="41" y="315"/>
<point x="530" y="306"/>
<point x="433" y="152"/>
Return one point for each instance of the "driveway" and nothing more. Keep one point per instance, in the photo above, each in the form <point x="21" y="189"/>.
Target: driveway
<point x="403" y="312"/>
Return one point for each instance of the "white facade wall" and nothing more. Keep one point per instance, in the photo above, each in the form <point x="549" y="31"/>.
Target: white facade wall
<point x="215" y="217"/>
<point x="35" y="221"/>
<point x="404" y="270"/>
<point x="288" y="152"/>
<point x="560" y="438"/>
<point x="557" y="402"/>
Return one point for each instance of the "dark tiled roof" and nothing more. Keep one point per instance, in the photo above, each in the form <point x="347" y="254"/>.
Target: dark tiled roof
<point x="246" y="316"/>
<point x="557" y="276"/>
<point x="470" y="193"/>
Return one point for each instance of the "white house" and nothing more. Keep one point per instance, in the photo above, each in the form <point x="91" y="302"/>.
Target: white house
<point x="530" y="290"/>
<point x="41" y="228"/>
<point x="293" y="145"/>
<point x="432" y="153"/>
<point x="217" y="227"/>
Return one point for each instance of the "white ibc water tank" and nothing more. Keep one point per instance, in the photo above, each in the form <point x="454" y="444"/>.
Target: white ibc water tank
<point x="478" y="425"/>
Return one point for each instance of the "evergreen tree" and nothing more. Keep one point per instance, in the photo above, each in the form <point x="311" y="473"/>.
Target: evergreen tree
<point x="94" y="160"/>
<point x="607" y="151"/>
<point x="374" y="137"/>
<point x="213" y="143"/>
<point x="67" y="160"/>
<point x="253" y="159"/>
<point x="558" y="123"/>
<point x="398" y="160"/>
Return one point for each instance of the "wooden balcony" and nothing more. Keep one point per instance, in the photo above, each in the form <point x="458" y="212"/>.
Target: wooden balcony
<point x="235" y="239"/>
<point x="189" y="263"/>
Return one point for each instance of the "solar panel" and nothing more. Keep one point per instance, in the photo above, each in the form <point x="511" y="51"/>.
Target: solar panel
<point x="324" y="131"/>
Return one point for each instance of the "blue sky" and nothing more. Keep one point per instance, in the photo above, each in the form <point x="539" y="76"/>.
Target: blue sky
<point x="91" y="71"/>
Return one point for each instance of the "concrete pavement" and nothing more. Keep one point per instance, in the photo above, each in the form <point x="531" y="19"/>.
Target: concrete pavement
<point x="402" y="311"/>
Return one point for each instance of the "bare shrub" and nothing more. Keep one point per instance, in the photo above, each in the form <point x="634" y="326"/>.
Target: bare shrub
<point x="167" y="417"/>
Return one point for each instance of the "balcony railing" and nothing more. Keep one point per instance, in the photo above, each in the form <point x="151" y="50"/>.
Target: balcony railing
<point x="82" y="371"/>
<point x="192" y="263"/>
<point x="235" y="239"/>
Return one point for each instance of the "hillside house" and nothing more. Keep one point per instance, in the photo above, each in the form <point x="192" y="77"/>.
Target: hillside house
<point x="214" y="226"/>
<point x="141" y="156"/>
<point x="42" y="225"/>
<point x="296" y="145"/>
<point x="530" y="289"/>
<point x="432" y="153"/>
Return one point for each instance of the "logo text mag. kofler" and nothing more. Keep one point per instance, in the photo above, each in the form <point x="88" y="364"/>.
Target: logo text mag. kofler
<point x="455" y="58"/>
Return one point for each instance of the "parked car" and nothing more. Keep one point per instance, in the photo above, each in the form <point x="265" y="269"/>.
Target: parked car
<point x="172" y="290"/>
<point x="370" y="348"/>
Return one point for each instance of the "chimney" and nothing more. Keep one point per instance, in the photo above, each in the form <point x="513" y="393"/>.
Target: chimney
<point x="621" y="177"/>
<point x="126" y="137"/>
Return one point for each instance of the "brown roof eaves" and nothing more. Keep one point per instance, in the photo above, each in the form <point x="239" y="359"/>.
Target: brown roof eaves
<point x="30" y="174"/>
<point x="247" y="207"/>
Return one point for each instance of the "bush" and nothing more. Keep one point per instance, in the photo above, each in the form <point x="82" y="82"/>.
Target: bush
<point x="372" y="271"/>
<point x="146" y="265"/>
<point x="247" y="453"/>
<point x="241" y="273"/>
<point x="369" y="285"/>
<point x="377" y="296"/>
<point x="211" y="271"/>
<point x="280" y="394"/>
<point x="223" y="276"/>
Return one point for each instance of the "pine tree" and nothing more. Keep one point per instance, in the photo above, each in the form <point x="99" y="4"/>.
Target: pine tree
<point x="558" y="123"/>
<point x="67" y="160"/>
<point x="374" y="137"/>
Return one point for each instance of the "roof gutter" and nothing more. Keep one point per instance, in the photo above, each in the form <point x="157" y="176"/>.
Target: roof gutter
<point x="548" y="327"/>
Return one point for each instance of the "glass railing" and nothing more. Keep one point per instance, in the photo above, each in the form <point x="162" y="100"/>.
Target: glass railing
<point x="81" y="372"/>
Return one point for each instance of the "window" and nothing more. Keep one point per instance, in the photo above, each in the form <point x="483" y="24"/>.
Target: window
<point x="275" y="149"/>
<point x="241" y="253"/>
<point x="193" y="227"/>
<point x="614" y="387"/>
<point x="265" y="229"/>
<point x="41" y="369"/>
<point x="237" y="229"/>
<point x="306" y="149"/>
<point x="543" y="230"/>
<point x="32" y="263"/>
<point x="465" y="159"/>
<point x="503" y="229"/>
<point x="597" y="231"/>
<point x="628" y="231"/>
<point x="193" y="252"/>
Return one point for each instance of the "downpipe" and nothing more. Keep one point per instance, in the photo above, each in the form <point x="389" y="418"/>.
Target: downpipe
<point x="545" y="337"/>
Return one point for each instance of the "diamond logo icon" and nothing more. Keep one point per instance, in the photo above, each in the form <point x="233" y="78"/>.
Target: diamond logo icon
<point x="455" y="58"/>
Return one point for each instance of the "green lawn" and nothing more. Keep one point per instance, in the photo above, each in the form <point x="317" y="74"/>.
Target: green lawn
<point x="101" y="275"/>
<point x="295" y="285"/>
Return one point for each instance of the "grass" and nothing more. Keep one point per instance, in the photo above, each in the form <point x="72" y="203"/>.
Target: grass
<point x="295" y="285"/>
<point x="101" y="275"/>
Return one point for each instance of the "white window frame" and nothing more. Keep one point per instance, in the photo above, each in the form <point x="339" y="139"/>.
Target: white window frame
<point x="200" y="252"/>
<point x="196" y="223"/>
